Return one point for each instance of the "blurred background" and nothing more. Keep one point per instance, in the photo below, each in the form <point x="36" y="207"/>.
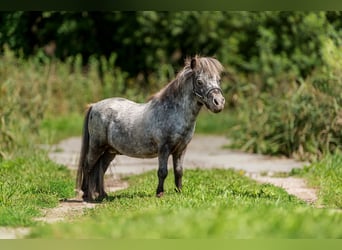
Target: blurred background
<point x="282" y="80"/>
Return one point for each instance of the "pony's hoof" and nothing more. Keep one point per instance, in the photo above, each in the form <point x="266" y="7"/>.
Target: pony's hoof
<point x="178" y="190"/>
<point x="160" y="194"/>
<point x="102" y="197"/>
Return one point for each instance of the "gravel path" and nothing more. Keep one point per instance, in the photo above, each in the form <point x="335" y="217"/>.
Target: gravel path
<point x="204" y="151"/>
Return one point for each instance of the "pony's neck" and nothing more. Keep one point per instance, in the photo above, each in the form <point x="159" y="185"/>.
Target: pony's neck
<point x="179" y="93"/>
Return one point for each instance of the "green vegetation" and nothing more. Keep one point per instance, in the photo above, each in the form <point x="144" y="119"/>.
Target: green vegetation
<point x="54" y="129"/>
<point x="215" y="203"/>
<point x="299" y="119"/>
<point x="210" y="123"/>
<point x="28" y="184"/>
<point x="36" y="97"/>
<point x="326" y="176"/>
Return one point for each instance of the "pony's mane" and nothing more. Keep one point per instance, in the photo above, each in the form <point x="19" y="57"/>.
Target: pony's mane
<point x="211" y="66"/>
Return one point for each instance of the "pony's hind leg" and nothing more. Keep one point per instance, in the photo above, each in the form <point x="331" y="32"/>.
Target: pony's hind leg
<point x="96" y="190"/>
<point x="89" y="178"/>
<point x="103" y="164"/>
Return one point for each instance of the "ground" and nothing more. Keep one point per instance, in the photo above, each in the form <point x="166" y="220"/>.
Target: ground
<point x="204" y="151"/>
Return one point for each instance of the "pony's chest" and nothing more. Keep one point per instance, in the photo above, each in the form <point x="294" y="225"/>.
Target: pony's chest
<point x="178" y="136"/>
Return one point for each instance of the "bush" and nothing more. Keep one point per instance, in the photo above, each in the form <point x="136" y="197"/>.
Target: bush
<point x="296" y="119"/>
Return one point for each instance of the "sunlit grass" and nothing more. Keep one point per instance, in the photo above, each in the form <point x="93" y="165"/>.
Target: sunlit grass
<point x="29" y="184"/>
<point x="326" y="176"/>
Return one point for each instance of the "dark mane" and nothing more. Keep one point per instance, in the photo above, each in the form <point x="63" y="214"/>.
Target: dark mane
<point x="211" y="66"/>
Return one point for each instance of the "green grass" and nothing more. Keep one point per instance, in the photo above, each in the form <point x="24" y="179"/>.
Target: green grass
<point x="29" y="184"/>
<point x="326" y="176"/>
<point x="54" y="129"/>
<point x="220" y="123"/>
<point x="213" y="204"/>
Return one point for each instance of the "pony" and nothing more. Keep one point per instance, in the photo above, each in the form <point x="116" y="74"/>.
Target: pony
<point x="161" y="127"/>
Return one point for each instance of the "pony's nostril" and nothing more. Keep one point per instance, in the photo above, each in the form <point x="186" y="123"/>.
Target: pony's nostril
<point x="216" y="102"/>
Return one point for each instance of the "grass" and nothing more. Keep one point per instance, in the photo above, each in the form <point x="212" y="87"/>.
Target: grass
<point x="54" y="129"/>
<point x="28" y="184"/>
<point x="326" y="176"/>
<point x="210" y="123"/>
<point x="213" y="204"/>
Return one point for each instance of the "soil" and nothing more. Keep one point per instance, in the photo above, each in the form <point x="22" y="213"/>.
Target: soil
<point x="204" y="151"/>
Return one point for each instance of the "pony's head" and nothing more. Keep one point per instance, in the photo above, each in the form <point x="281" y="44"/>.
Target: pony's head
<point x="206" y="82"/>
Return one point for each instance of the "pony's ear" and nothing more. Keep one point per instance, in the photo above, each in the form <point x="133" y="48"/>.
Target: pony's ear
<point x="193" y="63"/>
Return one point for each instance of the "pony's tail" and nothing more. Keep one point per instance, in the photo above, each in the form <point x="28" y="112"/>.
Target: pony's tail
<point x="81" y="171"/>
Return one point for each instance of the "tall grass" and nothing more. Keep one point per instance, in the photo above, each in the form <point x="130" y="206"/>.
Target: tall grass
<point x="22" y="101"/>
<point x="41" y="88"/>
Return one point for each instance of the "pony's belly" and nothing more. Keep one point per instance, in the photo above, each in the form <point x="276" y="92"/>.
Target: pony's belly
<point x="141" y="155"/>
<point x="136" y="149"/>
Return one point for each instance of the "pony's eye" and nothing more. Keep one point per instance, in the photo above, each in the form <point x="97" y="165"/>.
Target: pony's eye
<point x="199" y="82"/>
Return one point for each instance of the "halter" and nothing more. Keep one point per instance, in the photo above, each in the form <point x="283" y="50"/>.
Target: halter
<point x="203" y="97"/>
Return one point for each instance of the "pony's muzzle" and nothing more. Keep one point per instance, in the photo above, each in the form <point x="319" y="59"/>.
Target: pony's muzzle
<point x="217" y="102"/>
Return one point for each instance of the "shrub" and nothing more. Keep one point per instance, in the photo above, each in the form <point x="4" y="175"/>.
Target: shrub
<point x="296" y="119"/>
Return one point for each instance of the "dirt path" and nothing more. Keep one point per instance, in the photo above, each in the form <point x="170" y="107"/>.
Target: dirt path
<point x="204" y="151"/>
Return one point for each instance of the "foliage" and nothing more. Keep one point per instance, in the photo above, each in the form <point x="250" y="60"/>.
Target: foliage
<point x="213" y="204"/>
<point x="295" y="119"/>
<point x="265" y="42"/>
<point x="28" y="185"/>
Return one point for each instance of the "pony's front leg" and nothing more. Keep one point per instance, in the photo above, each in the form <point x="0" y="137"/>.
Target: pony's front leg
<point x="178" y="169"/>
<point x="163" y="156"/>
